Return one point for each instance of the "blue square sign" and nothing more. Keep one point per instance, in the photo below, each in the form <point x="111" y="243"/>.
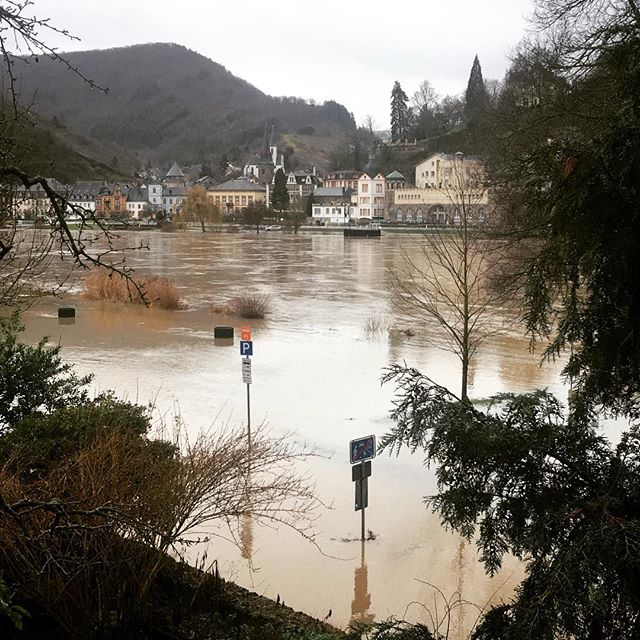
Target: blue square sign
<point x="246" y="347"/>
<point x="362" y="449"/>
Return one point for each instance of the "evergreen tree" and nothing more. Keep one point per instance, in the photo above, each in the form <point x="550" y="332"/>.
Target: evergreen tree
<point x="399" y="113"/>
<point x="280" y="195"/>
<point x="476" y="94"/>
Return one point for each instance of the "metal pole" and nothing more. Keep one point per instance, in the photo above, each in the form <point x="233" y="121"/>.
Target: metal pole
<point x="363" y="480"/>
<point x="249" y="414"/>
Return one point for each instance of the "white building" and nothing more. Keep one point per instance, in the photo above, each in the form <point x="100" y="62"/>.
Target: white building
<point x="137" y="202"/>
<point x="440" y="170"/>
<point x="331" y="205"/>
<point x="370" y="198"/>
<point x="154" y="191"/>
<point x="84" y="194"/>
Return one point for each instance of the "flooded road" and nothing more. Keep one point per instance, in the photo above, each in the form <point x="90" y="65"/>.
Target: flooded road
<point x="316" y="368"/>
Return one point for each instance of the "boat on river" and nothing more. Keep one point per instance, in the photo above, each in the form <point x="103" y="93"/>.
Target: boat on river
<point x="362" y="232"/>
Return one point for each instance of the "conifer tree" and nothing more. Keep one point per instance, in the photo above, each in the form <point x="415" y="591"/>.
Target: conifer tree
<point x="280" y="195"/>
<point x="476" y="94"/>
<point x="399" y="113"/>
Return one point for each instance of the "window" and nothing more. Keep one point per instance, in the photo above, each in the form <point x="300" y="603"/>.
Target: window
<point x="237" y="200"/>
<point x="244" y="200"/>
<point x="378" y="188"/>
<point x="365" y="188"/>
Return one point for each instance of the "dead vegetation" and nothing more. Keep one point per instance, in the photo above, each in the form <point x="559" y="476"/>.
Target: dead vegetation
<point x="155" y="291"/>
<point x="252" y="306"/>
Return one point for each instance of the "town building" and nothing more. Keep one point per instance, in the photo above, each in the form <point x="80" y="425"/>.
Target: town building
<point x="331" y="205"/>
<point x="370" y="198"/>
<point x="154" y="191"/>
<point x="345" y="179"/>
<point x="395" y="180"/>
<point x="262" y="168"/>
<point x="233" y="196"/>
<point x="443" y="170"/>
<point x="138" y="202"/>
<point x="111" y="202"/>
<point x="300" y="186"/>
<point x="33" y="202"/>
<point x="174" y="178"/>
<point x="442" y="207"/>
<point x="172" y="199"/>
<point x="84" y="194"/>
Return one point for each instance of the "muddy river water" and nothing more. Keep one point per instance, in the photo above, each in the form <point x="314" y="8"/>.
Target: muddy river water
<point x="318" y="358"/>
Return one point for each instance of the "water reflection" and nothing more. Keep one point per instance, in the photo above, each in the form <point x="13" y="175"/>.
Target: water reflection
<point x="361" y="596"/>
<point x="246" y="536"/>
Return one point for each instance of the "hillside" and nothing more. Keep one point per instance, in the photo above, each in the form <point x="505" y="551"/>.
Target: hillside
<point x="165" y="102"/>
<point x="50" y="151"/>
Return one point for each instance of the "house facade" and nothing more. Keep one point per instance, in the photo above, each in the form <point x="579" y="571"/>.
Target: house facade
<point x="154" y="191"/>
<point x="172" y="199"/>
<point x="300" y="185"/>
<point x="345" y="179"/>
<point x="331" y="205"/>
<point x="370" y="197"/>
<point x="111" y="202"/>
<point x="234" y="196"/>
<point x="138" y="202"/>
<point x="33" y="202"/>
<point x="84" y="194"/>
<point x="444" y="170"/>
<point x="437" y="207"/>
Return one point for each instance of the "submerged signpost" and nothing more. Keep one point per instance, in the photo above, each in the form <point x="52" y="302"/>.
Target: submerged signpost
<point x="361" y="452"/>
<point x="246" y="351"/>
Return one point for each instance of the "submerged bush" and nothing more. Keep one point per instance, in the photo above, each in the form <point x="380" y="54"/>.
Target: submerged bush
<point x="107" y="285"/>
<point x="250" y="306"/>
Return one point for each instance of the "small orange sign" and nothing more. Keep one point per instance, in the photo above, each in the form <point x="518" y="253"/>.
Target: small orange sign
<point x="245" y="333"/>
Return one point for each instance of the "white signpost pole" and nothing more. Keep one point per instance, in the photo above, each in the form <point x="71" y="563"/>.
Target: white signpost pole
<point x="249" y="407"/>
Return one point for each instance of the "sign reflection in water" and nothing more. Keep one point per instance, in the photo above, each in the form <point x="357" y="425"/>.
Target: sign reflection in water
<point x="324" y="291"/>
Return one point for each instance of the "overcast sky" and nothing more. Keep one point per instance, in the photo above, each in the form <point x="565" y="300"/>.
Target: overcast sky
<point x="342" y="50"/>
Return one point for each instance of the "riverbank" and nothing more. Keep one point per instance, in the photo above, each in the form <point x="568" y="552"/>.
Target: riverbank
<point x="189" y="604"/>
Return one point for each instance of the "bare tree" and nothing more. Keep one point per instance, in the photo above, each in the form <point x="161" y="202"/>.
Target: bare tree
<point x="424" y="98"/>
<point x="198" y="207"/>
<point x="97" y="524"/>
<point x="26" y="255"/>
<point x="370" y="124"/>
<point x="446" y="280"/>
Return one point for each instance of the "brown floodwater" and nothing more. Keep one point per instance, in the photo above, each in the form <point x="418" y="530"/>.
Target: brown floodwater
<point x="316" y="368"/>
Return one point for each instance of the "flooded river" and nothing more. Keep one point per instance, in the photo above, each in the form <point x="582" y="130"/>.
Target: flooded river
<point x="318" y="359"/>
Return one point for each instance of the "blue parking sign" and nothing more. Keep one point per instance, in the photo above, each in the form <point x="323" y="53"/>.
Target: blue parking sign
<point x="246" y="347"/>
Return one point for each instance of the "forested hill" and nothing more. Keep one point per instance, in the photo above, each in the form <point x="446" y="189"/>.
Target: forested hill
<point x="165" y="102"/>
